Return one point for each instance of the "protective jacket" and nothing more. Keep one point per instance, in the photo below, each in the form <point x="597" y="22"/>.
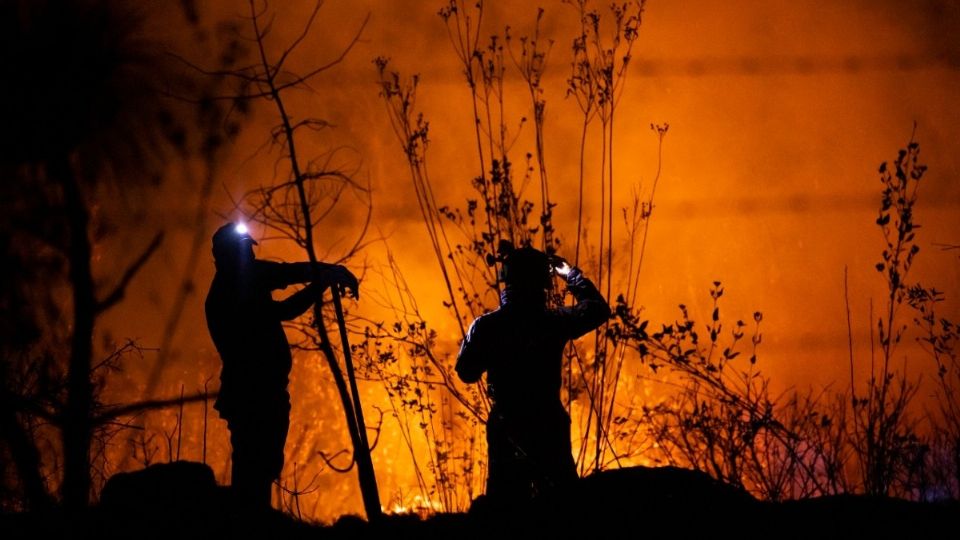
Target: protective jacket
<point x="246" y="325"/>
<point x="520" y="348"/>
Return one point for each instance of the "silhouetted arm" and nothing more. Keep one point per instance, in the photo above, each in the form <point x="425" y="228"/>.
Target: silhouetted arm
<point x="293" y="306"/>
<point x="471" y="362"/>
<point x="276" y="275"/>
<point x="591" y="309"/>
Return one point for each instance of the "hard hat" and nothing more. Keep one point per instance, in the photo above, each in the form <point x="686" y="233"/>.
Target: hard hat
<point x="230" y="237"/>
<point x="526" y="267"/>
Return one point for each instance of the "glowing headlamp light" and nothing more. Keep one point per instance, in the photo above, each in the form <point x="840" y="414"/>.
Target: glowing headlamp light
<point x="241" y="228"/>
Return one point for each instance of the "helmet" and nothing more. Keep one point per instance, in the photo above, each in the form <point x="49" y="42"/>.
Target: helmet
<point x="526" y="268"/>
<point x="230" y="239"/>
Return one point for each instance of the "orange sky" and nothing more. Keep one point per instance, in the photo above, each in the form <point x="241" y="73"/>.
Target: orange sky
<point x="779" y="113"/>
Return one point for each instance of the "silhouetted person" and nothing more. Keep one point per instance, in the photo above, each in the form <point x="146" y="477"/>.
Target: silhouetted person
<point x="245" y="323"/>
<point x="520" y="347"/>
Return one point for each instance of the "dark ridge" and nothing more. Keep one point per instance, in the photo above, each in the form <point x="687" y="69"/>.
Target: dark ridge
<point x="182" y="500"/>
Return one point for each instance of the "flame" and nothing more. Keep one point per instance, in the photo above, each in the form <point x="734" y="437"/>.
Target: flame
<point x="419" y="505"/>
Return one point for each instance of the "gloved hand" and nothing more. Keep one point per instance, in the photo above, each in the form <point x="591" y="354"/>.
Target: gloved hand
<point x="560" y="265"/>
<point x="343" y="279"/>
<point x="572" y="274"/>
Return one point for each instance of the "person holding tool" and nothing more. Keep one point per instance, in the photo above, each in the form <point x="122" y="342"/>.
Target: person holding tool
<point x="245" y="323"/>
<point x="520" y="348"/>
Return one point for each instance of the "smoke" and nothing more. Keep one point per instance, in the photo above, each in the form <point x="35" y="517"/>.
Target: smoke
<point x="780" y="114"/>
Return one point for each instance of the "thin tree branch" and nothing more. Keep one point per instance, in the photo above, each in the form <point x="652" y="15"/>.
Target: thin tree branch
<point x="118" y="292"/>
<point x="115" y="411"/>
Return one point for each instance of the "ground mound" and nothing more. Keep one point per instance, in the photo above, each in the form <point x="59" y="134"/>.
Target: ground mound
<point x="182" y="500"/>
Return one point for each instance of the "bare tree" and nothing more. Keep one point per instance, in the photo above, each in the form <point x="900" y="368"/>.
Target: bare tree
<point x="292" y="208"/>
<point x="86" y="112"/>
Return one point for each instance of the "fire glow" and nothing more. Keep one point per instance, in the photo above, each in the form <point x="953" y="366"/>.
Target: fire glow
<point x="765" y="182"/>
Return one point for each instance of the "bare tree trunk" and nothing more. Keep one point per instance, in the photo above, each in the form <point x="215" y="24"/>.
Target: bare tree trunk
<point x="76" y="427"/>
<point x="351" y="403"/>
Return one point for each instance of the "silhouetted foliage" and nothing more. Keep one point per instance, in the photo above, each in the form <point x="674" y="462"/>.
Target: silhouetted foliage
<point x="294" y="206"/>
<point x="86" y="116"/>
<point x="715" y="411"/>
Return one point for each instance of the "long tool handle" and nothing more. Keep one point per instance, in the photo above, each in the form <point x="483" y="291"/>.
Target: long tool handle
<point x="371" y="495"/>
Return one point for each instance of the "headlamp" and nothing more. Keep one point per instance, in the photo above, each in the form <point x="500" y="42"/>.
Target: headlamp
<point x="242" y="233"/>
